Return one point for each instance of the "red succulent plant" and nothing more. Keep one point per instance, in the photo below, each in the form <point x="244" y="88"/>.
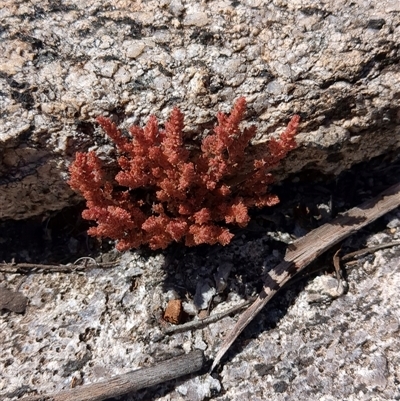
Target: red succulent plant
<point x="164" y="192"/>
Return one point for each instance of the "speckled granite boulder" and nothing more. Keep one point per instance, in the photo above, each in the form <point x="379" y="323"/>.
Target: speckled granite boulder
<point x="310" y="343"/>
<point x="64" y="63"/>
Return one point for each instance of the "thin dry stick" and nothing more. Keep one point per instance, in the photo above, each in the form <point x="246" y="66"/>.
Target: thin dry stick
<point x="371" y="249"/>
<point x="196" y="324"/>
<point x="129" y="382"/>
<point x="309" y="247"/>
<point x="25" y="268"/>
<point x="336" y="264"/>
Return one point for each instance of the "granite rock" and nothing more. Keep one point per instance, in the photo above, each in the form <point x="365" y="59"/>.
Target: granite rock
<point x="336" y="64"/>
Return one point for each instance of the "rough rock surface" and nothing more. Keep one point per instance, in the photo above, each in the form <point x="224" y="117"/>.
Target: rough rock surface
<point x="94" y="325"/>
<point x="66" y="62"/>
<point x="347" y="349"/>
<point x="313" y="341"/>
<point x="336" y="63"/>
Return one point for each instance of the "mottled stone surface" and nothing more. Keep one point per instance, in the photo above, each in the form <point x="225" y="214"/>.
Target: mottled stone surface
<point x="64" y="63"/>
<point x="334" y="62"/>
<point x="345" y="348"/>
<point x="311" y="342"/>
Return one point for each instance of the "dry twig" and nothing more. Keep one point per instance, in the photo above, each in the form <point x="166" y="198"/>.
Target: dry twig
<point x="29" y="268"/>
<point x="371" y="249"/>
<point x="129" y="382"/>
<point x="196" y="324"/>
<point x="308" y="248"/>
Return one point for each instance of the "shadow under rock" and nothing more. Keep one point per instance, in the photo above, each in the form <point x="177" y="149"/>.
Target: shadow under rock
<point x="250" y="254"/>
<point x="57" y="238"/>
<point x="320" y="200"/>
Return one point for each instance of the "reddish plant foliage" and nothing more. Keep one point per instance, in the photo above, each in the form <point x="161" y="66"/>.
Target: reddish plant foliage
<point x="164" y="192"/>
